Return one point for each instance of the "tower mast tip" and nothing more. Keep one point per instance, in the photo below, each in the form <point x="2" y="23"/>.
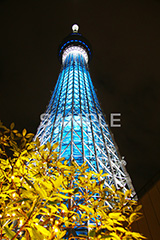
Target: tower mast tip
<point x="75" y="28"/>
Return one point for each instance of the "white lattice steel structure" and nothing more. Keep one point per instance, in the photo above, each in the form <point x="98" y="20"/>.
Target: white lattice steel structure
<point x="74" y="117"/>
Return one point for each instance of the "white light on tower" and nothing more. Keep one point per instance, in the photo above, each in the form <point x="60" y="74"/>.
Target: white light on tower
<point x="75" y="28"/>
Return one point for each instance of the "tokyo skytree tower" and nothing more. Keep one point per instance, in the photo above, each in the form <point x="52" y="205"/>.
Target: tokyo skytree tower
<point x="74" y="117"/>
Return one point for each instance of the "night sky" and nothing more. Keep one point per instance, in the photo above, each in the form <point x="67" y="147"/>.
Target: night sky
<point x="125" y="68"/>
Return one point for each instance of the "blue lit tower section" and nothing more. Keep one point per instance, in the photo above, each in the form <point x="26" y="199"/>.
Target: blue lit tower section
<point x="74" y="117"/>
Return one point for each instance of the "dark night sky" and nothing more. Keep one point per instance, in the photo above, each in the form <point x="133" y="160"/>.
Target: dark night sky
<point x="125" y="70"/>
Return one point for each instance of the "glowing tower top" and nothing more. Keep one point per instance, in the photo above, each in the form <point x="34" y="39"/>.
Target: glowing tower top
<point x="76" y="44"/>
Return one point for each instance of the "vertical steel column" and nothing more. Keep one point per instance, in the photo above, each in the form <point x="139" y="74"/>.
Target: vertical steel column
<point x="80" y="101"/>
<point x="49" y="108"/>
<point x="68" y="62"/>
<point x="72" y="111"/>
<point x="89" y="113"/>
<point x="58" y="104"/>
<point x="106" y="148"/>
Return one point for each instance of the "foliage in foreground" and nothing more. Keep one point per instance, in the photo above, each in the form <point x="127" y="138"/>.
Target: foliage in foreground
<point x="42" y="197"/>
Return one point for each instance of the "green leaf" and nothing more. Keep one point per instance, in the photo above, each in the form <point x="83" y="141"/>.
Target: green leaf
<point x="106" y="236"/>
<point x="29" y="182"/>
<point x="9" y="233"/>
<point x="92" y="233"/>
<point x="53" y="202"/>
<point x="36" y="234"/>
<point x="24" y="200"/>
<point x="76" y="190"/>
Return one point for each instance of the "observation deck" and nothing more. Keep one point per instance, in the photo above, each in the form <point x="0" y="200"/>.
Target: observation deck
<point x="75" y="43"/>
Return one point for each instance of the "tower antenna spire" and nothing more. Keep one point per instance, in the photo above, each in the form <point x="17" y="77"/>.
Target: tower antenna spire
<point x="75" y="28"/>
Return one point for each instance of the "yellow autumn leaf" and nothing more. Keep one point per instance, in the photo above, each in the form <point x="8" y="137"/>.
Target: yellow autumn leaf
<point x="91" y="226"/>
<point x="58" y="181"/>
<point x="30" y="232"/>
<point x="24" y="132"/>
<point x="45" y="210"/>
<point x="67" y="190"/>
<point x="121" y="229"/>
<point x="29" y="135"/>
<point x="47" y="184"/>
<point x="61" y="234"/>
<point x="43" y="230"/>
<point x="37" y="185"/>
<point x="137" y="208"/>
<point x="9" y="233"/>
<point x="132" y="217"/>
<point x="105" y="175"/>
<point x="86" y="208"/>
<point x="115" y="236"/>
<point x="48" y="145"/>
<point x="135" y="235"/>
<point x="53" y="209"/>
<point x="55" y="146"/>
<point x="40" y="191"/>
<point x="18" y="135"/>
<point x="64" y="207"/>
<point x="61" y="196"/>
<point x="114" y="215"/>
<point x="109" y="227"/>
<point x="128" y="193"/>
<point x="36" y="234"/>
<point x="18" y="163"/>
<point x="138" y="235"/>
<point x="12" y="125"/>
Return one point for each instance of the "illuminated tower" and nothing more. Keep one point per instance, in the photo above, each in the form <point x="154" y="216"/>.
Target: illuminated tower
<point x="74" y="117"/>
